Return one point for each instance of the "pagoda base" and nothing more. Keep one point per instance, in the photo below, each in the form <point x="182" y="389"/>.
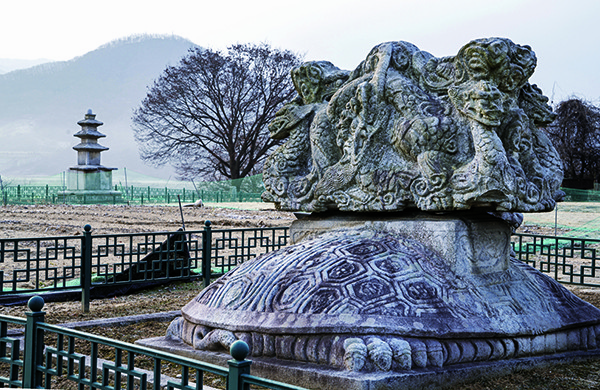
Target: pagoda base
<point x="90" y="197"/>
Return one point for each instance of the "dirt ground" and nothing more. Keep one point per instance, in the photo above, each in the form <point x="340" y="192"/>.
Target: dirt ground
<point x="17" y="221"/>
<point x="49" y="221"/>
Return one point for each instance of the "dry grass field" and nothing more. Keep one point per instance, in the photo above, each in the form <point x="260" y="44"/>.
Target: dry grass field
<point x="573" y="219"/>
<point x="37" y="221"/>
<point x="18" y="221"/>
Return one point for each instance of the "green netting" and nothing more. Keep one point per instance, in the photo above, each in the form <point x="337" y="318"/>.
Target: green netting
<point x="571" y="218"/>
<point x="574" y="195"/>
<point x="136" y="189"/>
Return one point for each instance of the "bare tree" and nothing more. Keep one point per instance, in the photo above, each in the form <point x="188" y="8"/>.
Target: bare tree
<point x="576" y="135"/>
<point x="208" y="115"/>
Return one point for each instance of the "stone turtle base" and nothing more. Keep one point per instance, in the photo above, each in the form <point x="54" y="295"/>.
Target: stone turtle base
<point x="314" y="376"/>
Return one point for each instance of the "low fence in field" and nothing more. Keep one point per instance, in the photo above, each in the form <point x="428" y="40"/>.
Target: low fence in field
<point x="91" y="264"/>
<point x="22" y="194"/>
<point x="35" y="354"/>
<point x="568" y="260"/>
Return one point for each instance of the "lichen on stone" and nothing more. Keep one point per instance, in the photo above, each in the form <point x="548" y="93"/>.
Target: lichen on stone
<point x="408" y="130"/>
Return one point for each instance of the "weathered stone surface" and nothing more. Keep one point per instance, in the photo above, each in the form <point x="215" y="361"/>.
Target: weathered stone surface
<point x="312" y="376"/>
<point x="425" y="292"/>
<point x="473" y="243"/>
<point x="408" y="130"/>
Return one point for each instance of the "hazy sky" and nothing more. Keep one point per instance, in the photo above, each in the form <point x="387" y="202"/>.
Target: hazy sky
<point x="563" y="33"/>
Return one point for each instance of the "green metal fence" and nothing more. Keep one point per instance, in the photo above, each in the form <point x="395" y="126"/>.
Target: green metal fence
<point x="141" y="190"/>
<point x="248" y="189"/>
<point x="568" y="260"/>
<point x="96" y="263"/>
<point x="89" y="264"/>
<point x="52" y="356"/>
<point x="147" y="195"/>
<point x="22" y="194"/>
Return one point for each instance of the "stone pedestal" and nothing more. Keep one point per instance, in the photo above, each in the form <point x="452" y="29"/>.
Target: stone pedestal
<point x="315" y="376"/>
<point x="469" y="242"/>
<point x="90" y="186"/>
<point x="389" y="299"/>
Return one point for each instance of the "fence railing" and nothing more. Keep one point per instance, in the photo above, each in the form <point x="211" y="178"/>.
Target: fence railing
<point x="22" y="194"/>
<point x="97" y="264"/>
<point x="568" y="260"/>
<point x="50" y="356"/>
<point x="93" y="265"/>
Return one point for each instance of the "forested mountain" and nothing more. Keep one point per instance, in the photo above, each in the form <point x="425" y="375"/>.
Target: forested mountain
<point x="40" y="106"/>
<point x="8" y="64"/>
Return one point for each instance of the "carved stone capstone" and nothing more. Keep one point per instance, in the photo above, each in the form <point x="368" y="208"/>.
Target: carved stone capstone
<point x="408" y="130"/>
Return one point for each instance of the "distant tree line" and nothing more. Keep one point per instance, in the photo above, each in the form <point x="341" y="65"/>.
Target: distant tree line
<point x="576" y="136"/>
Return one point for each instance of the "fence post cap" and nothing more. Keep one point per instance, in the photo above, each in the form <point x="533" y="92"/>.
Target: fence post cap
<point x="87" y="227"/>
<point x="207" y="223"/>
<point x="239" y="350"/>
<point x="36" y="303"/>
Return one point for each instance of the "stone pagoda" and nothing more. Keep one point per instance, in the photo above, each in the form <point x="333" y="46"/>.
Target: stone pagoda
<point x="89" y="181"/>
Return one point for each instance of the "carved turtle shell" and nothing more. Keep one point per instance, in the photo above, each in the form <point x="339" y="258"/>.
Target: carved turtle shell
<point x="375" y="300"/>
<point x="376" y="283"/>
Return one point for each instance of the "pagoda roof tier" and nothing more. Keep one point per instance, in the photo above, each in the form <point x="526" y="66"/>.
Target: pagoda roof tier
<point x="90" y="120"/>
<point x="89" y="147"/>
<point x="89" y="133"/>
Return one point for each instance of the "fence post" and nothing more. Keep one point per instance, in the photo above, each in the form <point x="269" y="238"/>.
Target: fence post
<point x="34" y="344"/>
<point x="238" y="366"/>
<point x="86" y="268"/>
<point x="206" y="252"/>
